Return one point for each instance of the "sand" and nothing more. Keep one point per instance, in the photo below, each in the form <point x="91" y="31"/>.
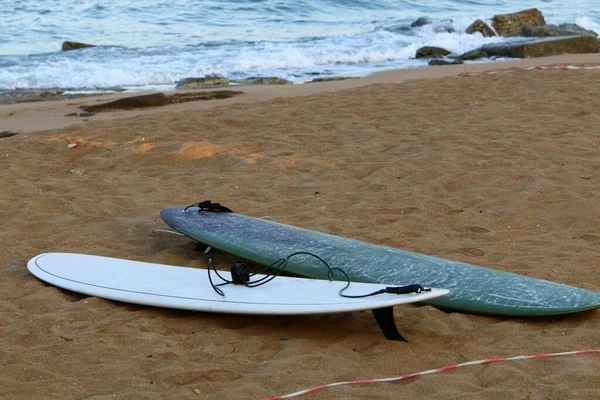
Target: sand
<point x="498" y="170"/>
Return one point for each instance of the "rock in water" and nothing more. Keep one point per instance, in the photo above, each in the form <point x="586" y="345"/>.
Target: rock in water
<point x="268" y="80"/>
<point x="201" y="83"/>
<point x="577" y="30"/>
<point x="48" y="93"/>
<point x="543" y="47"/>
<point x="421" y="21"/>
<point x="482" y="27"/>
<point x="553" y="30"/>
<point x="66" y="46"/>
<point x="430" y="51"/>
<point x="437" y="61"/>
<point x="513" y="24"/>
<point x="473" y="55"/>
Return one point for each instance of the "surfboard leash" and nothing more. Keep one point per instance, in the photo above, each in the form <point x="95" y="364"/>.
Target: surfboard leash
<point x="240" y="275"/>
<point x="435" y="371"/>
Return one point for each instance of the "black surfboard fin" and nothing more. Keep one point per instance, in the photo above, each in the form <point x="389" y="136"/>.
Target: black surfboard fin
<point x="202" y="248"/>
<point x="385" y="319"/>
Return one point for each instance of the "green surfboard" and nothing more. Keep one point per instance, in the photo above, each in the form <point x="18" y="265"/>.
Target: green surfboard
<point x="472" y="288"/>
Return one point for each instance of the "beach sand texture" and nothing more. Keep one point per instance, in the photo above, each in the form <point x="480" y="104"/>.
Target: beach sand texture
<point x="500" y="171"/>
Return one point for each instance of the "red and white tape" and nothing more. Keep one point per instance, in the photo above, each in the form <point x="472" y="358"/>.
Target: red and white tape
<point x="434" y="371"/>
<point x="569" y="67"/>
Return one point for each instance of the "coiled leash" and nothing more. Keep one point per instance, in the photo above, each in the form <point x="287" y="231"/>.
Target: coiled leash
<point x="240" y="275"/>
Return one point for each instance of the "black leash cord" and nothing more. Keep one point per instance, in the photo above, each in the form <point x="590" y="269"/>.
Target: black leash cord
<point x="276" y="268"/>
<point x="241" y="276"/>
<point x="216" y="289"/>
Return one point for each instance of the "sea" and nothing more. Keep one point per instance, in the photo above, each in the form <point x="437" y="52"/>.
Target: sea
<point x="152" y="44"/>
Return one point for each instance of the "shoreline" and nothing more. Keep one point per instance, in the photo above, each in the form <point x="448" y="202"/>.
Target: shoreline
<point x="29" y="117"/>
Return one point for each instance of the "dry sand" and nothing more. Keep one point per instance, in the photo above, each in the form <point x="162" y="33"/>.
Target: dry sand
<point x="500" y="170"/>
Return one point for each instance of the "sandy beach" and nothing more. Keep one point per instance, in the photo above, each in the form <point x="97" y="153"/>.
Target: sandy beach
<point x="499" y="170"/>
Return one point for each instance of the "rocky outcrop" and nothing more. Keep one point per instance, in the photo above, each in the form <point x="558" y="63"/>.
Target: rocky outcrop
<point x="482" y="27"/>
<point x="473" y="55"/>
<point x="48" y="93"/>
<point x="553" y="30"/>
<point x="202" y="83"/>
<point x="541" y="47"/>
<point x="157" y="100"/>
<point x="513" y="24"/>
<point x="438" y="61"/>
<point x="206" y="95"/>
<point x="67" y="46"/>
<point x="431" y="52"/>
<point x="7" y="134"/>
<point x="554" y="40"/>
<point x="421" y="21"/>
<point x="129" y="103"/>
<point x="331" y="79"/>
<point x="81" y="114"/>
<point x="577" y="30"/>
<point x="444" y="26"/>
<point x="271" y="80"/>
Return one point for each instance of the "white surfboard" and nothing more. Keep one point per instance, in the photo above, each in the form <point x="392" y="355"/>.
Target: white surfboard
<point x="190" y="289"/>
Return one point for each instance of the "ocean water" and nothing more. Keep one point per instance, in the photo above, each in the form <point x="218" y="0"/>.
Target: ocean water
<point x="155" y="43"/>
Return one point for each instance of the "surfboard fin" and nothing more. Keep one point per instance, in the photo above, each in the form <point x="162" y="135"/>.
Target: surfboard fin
<point x="385" y="319"/>
<point x="202" y="248"/>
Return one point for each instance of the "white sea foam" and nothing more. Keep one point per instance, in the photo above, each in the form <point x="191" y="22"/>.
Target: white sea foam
<point x="587" y="23"/>
<point x="161" y="43"/>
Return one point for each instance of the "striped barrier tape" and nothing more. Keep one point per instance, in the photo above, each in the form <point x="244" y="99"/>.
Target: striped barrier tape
<point x="564" y="67"/>
<point x="435" y="371"/>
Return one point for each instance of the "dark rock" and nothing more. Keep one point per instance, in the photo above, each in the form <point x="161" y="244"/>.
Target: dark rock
<point x="430" y="51"/>
<point x="6" y="134"/>
<point x="81" y="114"/>
<point x="421" y="21"/>
<point x="27" y="96"/>
<point x="330" y="79"/>
<point x="482" y="27"/>
<point x="543" y="47"/>
<point x="473" y="55"/>
<point x="553" y="30"/>
<point x="48" y="93"/>
<point x="513" y="24"/>
<point x="205" y="95"/>
<point x="544" y="31"/>
<point x="444" y="27"/>
<point x="400" y="28"/>
<point x="438" y="61"/>
<point x="155" y="100"/>
<point x="129" y="103"/>
<point x="578" y="30"/>
<point x="263" y="81"/>
<point x="66" y="46"/>
<point x="201" y="83"/>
